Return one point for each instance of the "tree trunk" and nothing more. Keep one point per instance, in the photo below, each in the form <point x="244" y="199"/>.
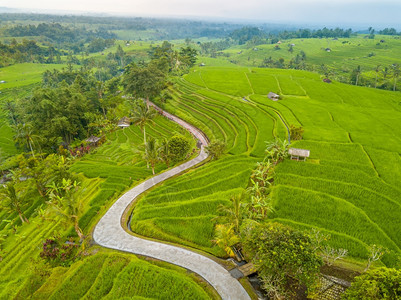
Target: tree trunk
<point x="144" y="142"/>
<point x="153" y="169"/>
<point x="78" y="231"/>
<point x="21" y="217"/>
<point x="395" y="84"/>
<point x="357" y="77"/>
<point x="376" y="81"/>
<point x="30" y="146"/>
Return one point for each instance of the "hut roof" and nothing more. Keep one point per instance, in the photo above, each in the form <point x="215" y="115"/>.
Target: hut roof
<point x="299" y="152"/>
<point x="92" y="139"/>
<point x="124" y="122"/>
<point x="273" y="96"/>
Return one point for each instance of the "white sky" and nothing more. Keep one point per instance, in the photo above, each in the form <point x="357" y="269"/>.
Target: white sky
<point x="270" y="11"/>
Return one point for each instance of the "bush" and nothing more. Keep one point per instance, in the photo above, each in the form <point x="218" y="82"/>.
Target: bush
<point x="57" y="253"/>
<point x="296" y="133"/>
<point x="179" y="147"/>
<point x="285" y="258"/>
<point x="382" y="283"/>
<point x="216" y="149"/>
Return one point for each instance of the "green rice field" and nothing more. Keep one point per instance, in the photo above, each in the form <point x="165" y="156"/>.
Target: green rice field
<point x="347" y="188"/>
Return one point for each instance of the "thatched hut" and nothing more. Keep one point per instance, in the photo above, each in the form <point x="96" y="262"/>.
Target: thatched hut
<point x="92" y="140"/>
<point x="273" y="96"/>
<point x="124" y="122"/>
<point x="296" y="153"/>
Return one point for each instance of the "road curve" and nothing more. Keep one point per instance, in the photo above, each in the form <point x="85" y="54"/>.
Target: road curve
<point x="109" y="232"/>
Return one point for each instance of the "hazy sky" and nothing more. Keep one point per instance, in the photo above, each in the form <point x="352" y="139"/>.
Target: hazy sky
<point x="385" y="12"/>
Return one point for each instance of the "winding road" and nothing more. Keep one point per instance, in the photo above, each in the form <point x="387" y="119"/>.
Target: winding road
<point x="109" y="232"/>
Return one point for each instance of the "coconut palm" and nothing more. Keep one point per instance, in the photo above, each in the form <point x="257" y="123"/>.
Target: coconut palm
<point x="13" y="200"/>
<point x="142" y="116"/>
<point x="233" y="214"/>
<point x="377" y="70"/>
<point x="358" y="72"/>
<point x="396" y="74"/>
<point x="151" y="153"/>
<point x="225" y="238"/>
<point x="25" y="137"/>
<point x="64" y="201"/>
<point x="164" y="152"/>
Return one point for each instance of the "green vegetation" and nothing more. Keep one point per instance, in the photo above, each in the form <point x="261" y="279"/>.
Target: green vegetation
<point x="381" y="283"/>
<point x="342" y="126"/>
<point x="348" y="188"/>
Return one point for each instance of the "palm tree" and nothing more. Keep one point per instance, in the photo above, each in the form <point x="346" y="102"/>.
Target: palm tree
<point x="357" y="71"/>
<point x="396" y="74"/>
<point x="143" y="115"/>
<point x="378" y="67"/>
<point x="63" y="199"/>
<point x="13" y="201"/>
<point x="164" y="152"/>
<point x="24" y="136"/>
<point x="225" y="238"/>
<point x="151" y="153"/>
<point x="233" y="214"/>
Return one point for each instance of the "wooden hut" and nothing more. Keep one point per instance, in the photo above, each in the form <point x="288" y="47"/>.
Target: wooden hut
<point x="124" y="122"/>
<point x="273" y="96"/>
<point x="296" y="153"/>
<point x="92" y="140"/>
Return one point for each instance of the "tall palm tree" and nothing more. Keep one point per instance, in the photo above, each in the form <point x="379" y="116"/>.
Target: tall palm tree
<point x="396" y="74"/>
<point x="164" y="152"/>
<point x="64" y="200"/>
<point x="151" y="153"/>
<point x="13" y="201"/>
<point x="232" y="214"/>
<point x="24" y="136"/>
<point x="225" y="238"/>
<point x="143" y="115"/>
<point x="377" y="70"/>
<point x="357" y="71"/>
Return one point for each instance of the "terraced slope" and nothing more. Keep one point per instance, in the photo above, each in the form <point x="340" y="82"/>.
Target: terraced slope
<point x="347" y="188"/>
<point x="183" y="209"/>
<point x="105" y="174"/>
<point x="109" y="275"/>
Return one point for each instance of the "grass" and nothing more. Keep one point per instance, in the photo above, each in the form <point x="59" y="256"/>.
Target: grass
<point x="105" y="173"/>
<point x="350" y="178"/>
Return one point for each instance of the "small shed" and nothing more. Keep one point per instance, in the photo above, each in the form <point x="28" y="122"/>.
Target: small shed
<point x="93" y="140"/>
<point x="279" y="42"/>
<point x="296" y="153"/>
<point x="327" y="50"/>
<point x="273" y="96"/>
<point x="202" y="64"/>
<point x="124" y="122"/>
<point x="327" y="80"/>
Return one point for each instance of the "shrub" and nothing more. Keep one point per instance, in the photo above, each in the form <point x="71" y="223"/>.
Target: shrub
<point x="285" y="258"/>
<point x="216" y="149"/>
<point x="57" y="253"/>
<point x="179" y="147"/>
<point x="382" y="283"/>
<point x="296" y="133"/>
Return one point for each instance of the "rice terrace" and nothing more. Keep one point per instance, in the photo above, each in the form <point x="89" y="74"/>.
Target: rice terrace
<point x="170" y="158"/>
